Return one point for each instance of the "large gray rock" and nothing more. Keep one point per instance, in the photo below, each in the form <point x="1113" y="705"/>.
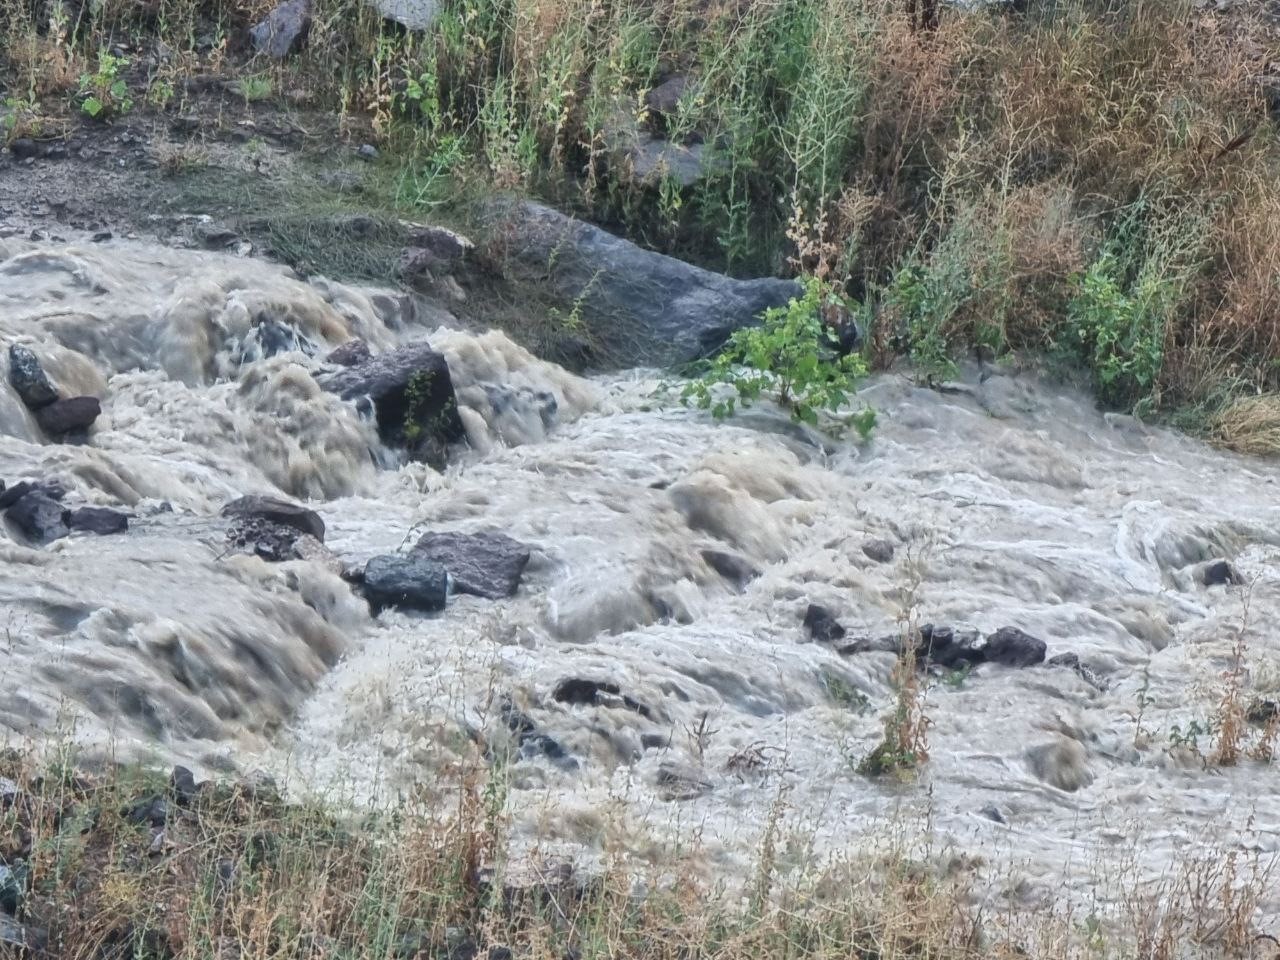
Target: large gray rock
<point x="412" y="395"/>
<point x="28" y="378"/>
<point x="484" y="564"/>
<point x="409" y="581"/>
<point x="639" y="307"/>
<point x="40" y="518"/>
<point x="99" y="520"/>
<point x="284" y="30"/>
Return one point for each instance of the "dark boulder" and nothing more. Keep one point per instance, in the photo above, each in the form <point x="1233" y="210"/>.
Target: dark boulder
<point x="273" y="542"/>
<point x="1219" y="573"/>
<point x="275" y="510"/>
<point x="822" y="624"/>
<point x="1012" y="647"/>
<point x="599" y="693"/>
<point x="182" y="786"/>
<point x="948" y="648"/>
<point x="66" y="416"/>
<point x="410" y="581"/>
<point x="28" y="378"/>
<point x="13" y="494"/>
<point x="737" y="570"/>
<point x="350" y="353"/>
<point x="15" y="879"/>
<point x="446" y="247"/>
<point x="152" y="810"/>
<point x="284" y="30"/>
<point x="99" y="520"/>
<point x="663" y="101"/>
<point x="641" y="307"/>
<point x="484" y="564"/>
<point x="881" y="551"/>
<point x="412" y="395"/>
<point x="40" y="518"/>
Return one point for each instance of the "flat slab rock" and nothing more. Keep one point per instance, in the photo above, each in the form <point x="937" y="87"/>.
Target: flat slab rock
<point x="487" y="565"/>
<point x="277" y="511"/>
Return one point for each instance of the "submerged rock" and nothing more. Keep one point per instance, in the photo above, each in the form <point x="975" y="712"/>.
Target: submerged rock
<point x="40" y="518"/>
<point x="484" y="564"/>
<point x="737" y="570"/>
<point x="682" y="781"/>
<point x="284" y="30"/>
<point x="410" y="581"/>
<point x="65" y="416"/>
<point x="641" y="307"/>
<point x="277" y="511"/>
<point x="532" y="741"/>
<point x="28" y="379"/>
<point x="99" y="520"/>
<point x="822" y="624"/>
<point x="602" y="693"/>
<point x="881" y="551"/>
<point x="412" y="395"/>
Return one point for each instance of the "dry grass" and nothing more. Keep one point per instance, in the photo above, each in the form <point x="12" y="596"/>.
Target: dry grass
<point x="1250" y="425"/>
<point x="235" y="871"/>
<point x="957" y="180"/>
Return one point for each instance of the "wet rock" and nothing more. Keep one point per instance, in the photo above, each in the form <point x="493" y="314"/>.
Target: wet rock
<point x="273" y="542"/>
<point x="40" y="518"/>
<point x="28" y="379"/>
<point x="367" y="152"/>
<point x="640" y="307"/>
<point x="1012" y="647"/>
<point x="350" y="353"/>
<point x="412" y="394"/>
<point x="532" y="741"/>
<point x="1219" y="573"/>
<point x="881" y="551"/>
<point x="13" y="494"/>
<point x="822" y="624"/>
<point x="576" y="690"/>
<point x="24" y="148"/>
<point x="993" y="813"/>
<point x="99" y="520"/>
<point x="1063" y="764"/>
<point x="737" y="570"/>
<point x="284" y="30"/>
<point x="182" y="786"/>
<point x="487" y="565"/>
<point x="1070" y="661"/>
<point x="1262" y="712"/>
<point x="682" y="781"/>
<point x="215" y="236"/>
<point x="947" y="647"/>
<point x="409" y="581"/>
<point x="65" y="416"/>
<point x="277" y="511"/>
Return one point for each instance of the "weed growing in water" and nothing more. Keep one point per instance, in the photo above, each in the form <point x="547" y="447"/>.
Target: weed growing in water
<point x="793" y="357"/>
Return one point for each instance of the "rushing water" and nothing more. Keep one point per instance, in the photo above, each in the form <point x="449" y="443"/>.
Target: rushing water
<point x="1011" y="501"/>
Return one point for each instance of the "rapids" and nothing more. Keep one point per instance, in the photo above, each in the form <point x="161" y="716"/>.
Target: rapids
<point x="1010" y="500"/>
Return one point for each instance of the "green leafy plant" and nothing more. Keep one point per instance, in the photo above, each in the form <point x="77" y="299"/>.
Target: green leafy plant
<point x="104" y="92"/>
<point x="793" y="357"/>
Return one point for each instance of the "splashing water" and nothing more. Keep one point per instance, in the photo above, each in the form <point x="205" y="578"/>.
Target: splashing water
<point x="1009" y="502"/>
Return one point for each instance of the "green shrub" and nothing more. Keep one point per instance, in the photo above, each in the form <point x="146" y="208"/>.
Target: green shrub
<point x="793" y="357"/>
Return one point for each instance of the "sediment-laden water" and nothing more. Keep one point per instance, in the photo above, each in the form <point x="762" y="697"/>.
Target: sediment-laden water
<point x="1009" y="502"/>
